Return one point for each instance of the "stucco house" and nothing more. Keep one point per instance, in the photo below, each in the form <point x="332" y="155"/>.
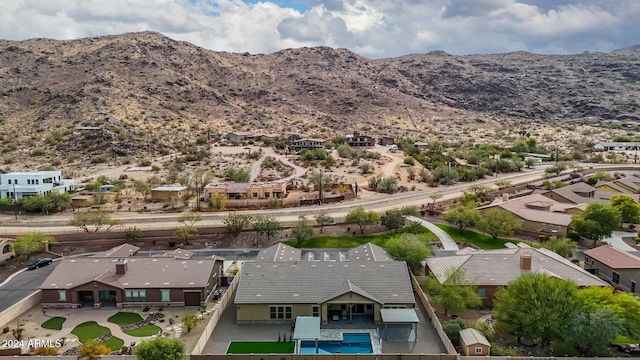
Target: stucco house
<point x="617" y="146"/>
<point x="359" y="140"/>
<point x="16" y="185"/>
<point x="620" y="268"/>
<point x="7" y="251"/>
<point x="490" y="270"/>
<point x="307" y="143"/>
<point x="168" y="192"/>
<point x="283" y="283"/>
<point x="538" y="214"/>
<point x="252" y="191"/>
<point x="629" y="185"/>
<point x="128" y="281"/>
<point x="579" y="193"/>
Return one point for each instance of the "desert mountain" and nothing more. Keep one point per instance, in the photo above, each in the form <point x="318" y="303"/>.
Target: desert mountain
<point x="143" y="92"/>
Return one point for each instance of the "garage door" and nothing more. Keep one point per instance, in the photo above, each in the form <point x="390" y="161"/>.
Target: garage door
<point x="192" y="298"/>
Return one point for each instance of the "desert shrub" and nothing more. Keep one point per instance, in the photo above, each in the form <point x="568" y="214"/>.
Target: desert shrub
<point x="98" y="159"/>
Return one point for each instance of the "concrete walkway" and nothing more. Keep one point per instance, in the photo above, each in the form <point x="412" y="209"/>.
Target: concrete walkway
<point x="447" y="241"/>
<point x="616" y="240"/>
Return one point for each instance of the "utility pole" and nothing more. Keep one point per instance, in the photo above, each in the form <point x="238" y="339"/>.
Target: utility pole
<point x="320" y="187"/>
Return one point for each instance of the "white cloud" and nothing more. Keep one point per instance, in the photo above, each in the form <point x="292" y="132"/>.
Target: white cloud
<point x="374" y="28"/>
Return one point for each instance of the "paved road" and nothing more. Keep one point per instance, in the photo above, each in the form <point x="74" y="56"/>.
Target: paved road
<point x="616" y="240"/>
<point x="23" y="284"/>
<point x="447" y="241"/>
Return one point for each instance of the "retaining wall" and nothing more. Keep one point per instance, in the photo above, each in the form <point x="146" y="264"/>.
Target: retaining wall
<point x="20" y="308"/>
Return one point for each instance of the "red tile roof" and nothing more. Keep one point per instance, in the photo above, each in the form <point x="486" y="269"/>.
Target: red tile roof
<point x="614" y="258"/>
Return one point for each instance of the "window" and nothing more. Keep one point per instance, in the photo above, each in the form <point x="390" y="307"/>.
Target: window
<point x="166" y="295"/>
<point x="135" y="296"/>
<point x="266" y="195"/>
<point x="9" y="181"/>
<point x="62" y="295"/>
<point x="482" y="293"/>
<point x="28" y="181"/>
<point x="633" y="286"/>
<point x="15" y="181"/>
<point x="280" y="312"/>
<point x="616" y="277"/>
<point x="315" y="310"/>
<point x="255" y="195"/>
<point x="478" y="350"/>
<point x="544" y="227"/>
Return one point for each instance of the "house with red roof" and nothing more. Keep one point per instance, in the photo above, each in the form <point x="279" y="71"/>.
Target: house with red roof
<point x="620" y="268"/>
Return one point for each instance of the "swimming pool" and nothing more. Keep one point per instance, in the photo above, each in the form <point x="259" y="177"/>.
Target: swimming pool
<point x="352" y="343"/>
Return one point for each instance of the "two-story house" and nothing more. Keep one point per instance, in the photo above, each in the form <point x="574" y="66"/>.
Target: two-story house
<point x="16" y="185"/>
<point x="617" y="267"/>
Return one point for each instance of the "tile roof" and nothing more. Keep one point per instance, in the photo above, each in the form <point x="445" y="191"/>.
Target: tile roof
<point x="471" y="336"/>
<point x="278" y="252"/>
<point x="614" y="258"/>
<point x="177" y="254"/>
<point x="573" y="193"/>
<point x="347" y="287"/>
<point x="369" y="252"/>
<point x="311" y="282"/>
<point x="531" y="207"/>
<point x="142" y="273"/>
<point x="499" y="267"/>
<point x="122" y="251"/>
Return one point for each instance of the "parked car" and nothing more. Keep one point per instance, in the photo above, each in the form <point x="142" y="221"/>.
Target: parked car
<point x="39" y="263"/>
<point x="217" y="295"/>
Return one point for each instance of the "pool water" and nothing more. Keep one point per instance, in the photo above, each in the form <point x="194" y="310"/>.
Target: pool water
<point x="352" y="343"/>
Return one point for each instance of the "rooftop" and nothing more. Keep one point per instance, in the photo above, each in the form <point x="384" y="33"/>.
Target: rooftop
<point x="499" y="267"/>
<point x="536" y="207"/>
<point x="122" y="251"/>
<point x="169" y="188"/>
<point x="614" y="258"/>
<point x="471" y="336"/>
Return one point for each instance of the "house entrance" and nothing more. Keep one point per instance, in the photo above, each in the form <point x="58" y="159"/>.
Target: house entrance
<point x="108" y="298"/>
<point x="85" y="298"/>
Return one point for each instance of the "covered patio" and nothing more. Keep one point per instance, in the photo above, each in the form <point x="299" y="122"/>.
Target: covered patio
<point x="400" y="318"/>
<point x="306" y="328"/>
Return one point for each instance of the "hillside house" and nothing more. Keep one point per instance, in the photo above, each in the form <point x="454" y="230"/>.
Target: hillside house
<point x="307" y="143"/>
<point x="358" y="140"/>
<point x="386" y="141"/>
<point x="617" y="146"/>
<point x="252" y="191"/>
<point x="16" y="185"/>
<point x="169" y="192"/>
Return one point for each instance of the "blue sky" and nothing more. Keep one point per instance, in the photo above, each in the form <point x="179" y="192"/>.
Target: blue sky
<point x="372" y="28"/>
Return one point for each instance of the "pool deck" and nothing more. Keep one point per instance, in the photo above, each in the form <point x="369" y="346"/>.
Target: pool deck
<point x="227" y="330"/>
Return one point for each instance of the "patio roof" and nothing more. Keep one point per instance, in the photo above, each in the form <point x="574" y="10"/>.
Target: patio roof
<point x="307" y="328"/>
<point x="399" y="316"/>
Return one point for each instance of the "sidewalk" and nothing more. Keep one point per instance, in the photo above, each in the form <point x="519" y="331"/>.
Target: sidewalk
<point x="447" y="241"/>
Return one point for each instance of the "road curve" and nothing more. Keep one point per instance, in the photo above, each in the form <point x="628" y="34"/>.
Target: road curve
<point x="447" y="241"/>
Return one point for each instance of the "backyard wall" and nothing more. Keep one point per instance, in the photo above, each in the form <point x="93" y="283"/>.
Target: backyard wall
<point x="326" y="357"/>
<point x="20" y="308"/>
<point x="226" y="299"/>
<point x="432" y="316"/>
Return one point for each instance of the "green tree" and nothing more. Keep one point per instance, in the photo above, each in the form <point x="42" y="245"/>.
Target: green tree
<point x="301" y="230"/>
<point x="132" y="233"/>
<point x="530" y="163"/>
<point x="362" y="218"/>
<point x="497" y="222"/>
<point x="345" y="151"/>
<point x="591" y="332"/>
<point x="556" y="169"/>
<point x="185" y="233"/>
<point x="536" y="306"/>
<point x="383" y="184"/>
<point x="452" y="329"/>
<point x="92" y="350"/>
<point x="463" y="217"/>
<point x="190" y="219"/>
<point x="320" y="181"/>
<point x="267" y="226"/>
<point x="95" y="220"/>
<point x="190" y="321"/>
<point x="31" y="243"/>
<point x="596" y="222"/>
<point x="142" y="188"/>
<point x="409" y="248"/>
<point x="237" y="175"/>
<point x="236" y="222"/>
<point x="564" y="247"/>
<point x="161" y="348"/>
<point x="625" y="305"/>
<point x="218" y="200"/>
<point x="628" y="207"/>
<point x="392" y="219"/>
<point x="501" y="184"/>
<point x="366" y="168"/>
<point x="324" y="219"/>
<point x="456" y="294"/>
<point x="601" y="175"/>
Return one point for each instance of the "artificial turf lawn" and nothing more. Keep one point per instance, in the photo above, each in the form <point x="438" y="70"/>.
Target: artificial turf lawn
<point x="114" y="343"/>
<point x="261" y="347"/>
<point x="480" y="240"/>
<point x="351" y="241"/>
<point x="143" y="331"/>
<point x="124" y="318"/>
<point x="54" y="323"/>
<point x="89" y="330"/>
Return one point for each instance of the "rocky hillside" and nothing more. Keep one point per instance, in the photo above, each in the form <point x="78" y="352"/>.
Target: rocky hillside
<point x="143" y="93"/>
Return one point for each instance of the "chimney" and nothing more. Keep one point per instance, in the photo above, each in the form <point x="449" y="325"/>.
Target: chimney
<point x="121" y="266"/>
<point x="525" y="260"/>
<point x="505" y="197"/>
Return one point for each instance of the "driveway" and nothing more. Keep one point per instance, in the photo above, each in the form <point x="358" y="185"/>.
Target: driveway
<point x="23" y="284"/>
<point x="616" y="240"/>
<point x="447" y="241"/>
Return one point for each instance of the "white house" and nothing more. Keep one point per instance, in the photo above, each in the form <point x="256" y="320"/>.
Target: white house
<point x="33" y="183"/>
